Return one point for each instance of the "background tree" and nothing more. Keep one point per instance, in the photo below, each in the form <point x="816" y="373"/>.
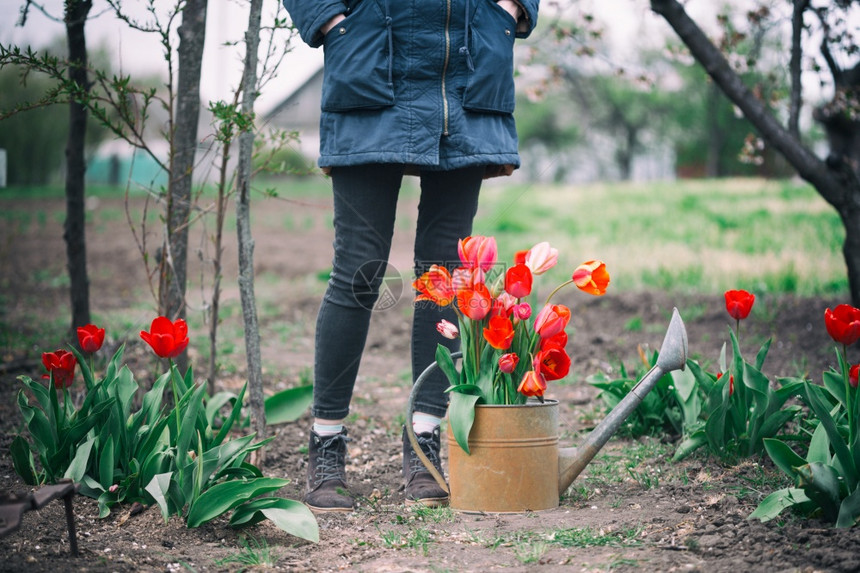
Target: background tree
<point x="837" y="179"/>
<point x="192" y="36"/>
<point x="243" y="225"/>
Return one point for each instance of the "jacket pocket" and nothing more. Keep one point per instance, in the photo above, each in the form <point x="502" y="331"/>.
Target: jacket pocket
<point x="357" y="68"/>
<point x="490" y="87"/>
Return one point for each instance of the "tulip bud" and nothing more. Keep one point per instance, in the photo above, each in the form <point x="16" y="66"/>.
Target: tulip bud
<point x="447" y="329"/>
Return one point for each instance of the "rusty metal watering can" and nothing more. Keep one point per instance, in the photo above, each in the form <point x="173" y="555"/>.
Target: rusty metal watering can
<point x="515" y="463"/>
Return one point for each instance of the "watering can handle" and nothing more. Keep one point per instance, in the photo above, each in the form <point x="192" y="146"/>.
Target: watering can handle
<point x="410" y="433"/>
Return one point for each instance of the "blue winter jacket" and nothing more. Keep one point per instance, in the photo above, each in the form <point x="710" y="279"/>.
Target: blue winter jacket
<point x="426" y="83"/>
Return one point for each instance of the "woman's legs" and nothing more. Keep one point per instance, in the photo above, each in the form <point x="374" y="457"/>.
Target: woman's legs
<point x="365" y="200"/>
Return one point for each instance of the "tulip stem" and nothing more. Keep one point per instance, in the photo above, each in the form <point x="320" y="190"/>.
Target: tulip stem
<point x="174" y="372"/>
<point x="849" y="401"/>
<point x="558" y="288"/>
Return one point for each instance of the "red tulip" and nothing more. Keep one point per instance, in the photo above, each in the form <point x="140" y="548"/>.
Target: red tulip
<point x="532" y="384"/>
<point x="499" y="333"/>
<point x="475" y="302"/>
<point x="731" y="383"/>
<point x="61" y="367"/>
<point x="508" y="362"/>
<point x="843" y="324"/>
<point x="853" y="375"/>
<point x="551" y="320"/>
<point x="478" y="252"/>
<point x="518" y="281"/>
<point x="168" y="339"/>
<point x="739" y="303"/>
<point x="559" y="340"/>
<point x="435" y="285"/>
<point x="553" y="363"/>
<point x="91" y="338"/>
<point x="591" y="277"/>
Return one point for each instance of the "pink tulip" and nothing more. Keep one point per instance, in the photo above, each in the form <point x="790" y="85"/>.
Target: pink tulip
<point x="541" y="258"/>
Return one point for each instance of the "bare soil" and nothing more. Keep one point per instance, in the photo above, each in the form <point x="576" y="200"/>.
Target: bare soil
<point x="658" y="515"/>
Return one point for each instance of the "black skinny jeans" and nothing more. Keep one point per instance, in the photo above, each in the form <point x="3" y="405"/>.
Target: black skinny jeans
<point x="365" y="201"/>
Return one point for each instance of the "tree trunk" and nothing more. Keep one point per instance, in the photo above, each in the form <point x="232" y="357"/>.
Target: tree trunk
<point x="243" y="227"/>
<point x="795" y="66"/>
<point x="836" y="181"/>
<point x="192" y="36"/>
<point x="74" y="228"/>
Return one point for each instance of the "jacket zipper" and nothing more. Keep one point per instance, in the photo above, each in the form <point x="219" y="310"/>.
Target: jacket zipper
<point x="445" y="70"/>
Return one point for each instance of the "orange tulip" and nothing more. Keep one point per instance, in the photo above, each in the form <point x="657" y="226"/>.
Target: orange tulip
<point x="532" y="384"/>
<point x="475" y="302"/>
<point x="592" y="277"/>
<point x="435" y="285"/>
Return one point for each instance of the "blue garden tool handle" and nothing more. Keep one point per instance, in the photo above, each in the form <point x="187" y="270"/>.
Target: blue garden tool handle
<point x="411" y="433"/>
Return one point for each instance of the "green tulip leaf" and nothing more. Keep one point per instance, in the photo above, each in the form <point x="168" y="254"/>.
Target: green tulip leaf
<point x="223" y="497"/>
<point x="78" y="467"/>
<point x="216" y="402"/>
<point x="684" y="382"/>
<point x="762" y="354"/>
<point x="849" y="510"/>
<point x="158" y="488"/>
<point x="784" y="457"/>
<point x="288" y="515"/>
<point x="446" y="364"/>
<point x="106" y="463"/>
<point x="22" y="460"/>
<point x="819" y="447"/>
<point x="772" y="505"/>
<point x="461" y="416"/>
<point x="187" y="431"/>
<point x="288" y="405"/>
<point x="821" y="484"/>
<point x="690" y="444"/>
<point x="837" y="442"/>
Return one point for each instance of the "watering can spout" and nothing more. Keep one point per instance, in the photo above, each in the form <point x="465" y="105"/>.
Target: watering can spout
<point x="673" y="356"/>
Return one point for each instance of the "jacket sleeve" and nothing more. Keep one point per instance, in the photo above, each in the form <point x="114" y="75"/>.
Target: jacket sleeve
<point x="308" y="16"/>
<point x="528" y="21"/>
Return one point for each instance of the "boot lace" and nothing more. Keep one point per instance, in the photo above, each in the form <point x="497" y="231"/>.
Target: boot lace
<point x="430" y="449"/>
<point x="331" y="460"/>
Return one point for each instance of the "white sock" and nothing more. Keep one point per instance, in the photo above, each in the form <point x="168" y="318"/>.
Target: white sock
<point x="424" y="423"/>
<point x="327" y="429"/>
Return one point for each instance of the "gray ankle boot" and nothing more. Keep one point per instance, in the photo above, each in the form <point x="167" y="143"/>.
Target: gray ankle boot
<point x="421" y="486"/>
<point x="327" y="474"/>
